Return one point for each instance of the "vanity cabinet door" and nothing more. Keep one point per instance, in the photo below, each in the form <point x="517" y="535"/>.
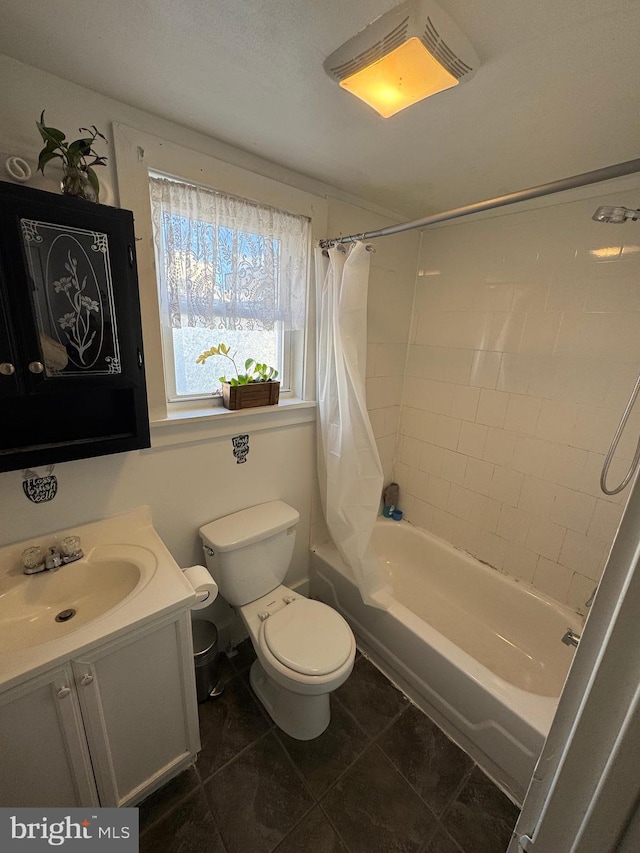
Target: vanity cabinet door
<point x="139" y="709"/>
<point x="44" y="761"/>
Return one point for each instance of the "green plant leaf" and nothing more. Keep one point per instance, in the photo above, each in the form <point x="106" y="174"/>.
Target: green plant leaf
<point x="248" y="364"/>
<point x="79" y="148"/>
<point x="93" y="130"/>
<point x="93" y="180"/>
<point x="45" y="156"/>
<point x="50" y="133"/>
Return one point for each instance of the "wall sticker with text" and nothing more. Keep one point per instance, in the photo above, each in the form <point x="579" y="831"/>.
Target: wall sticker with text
<point x="40" y="488"/>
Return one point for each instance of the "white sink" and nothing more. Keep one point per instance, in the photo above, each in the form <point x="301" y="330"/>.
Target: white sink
<point x="52" y="604"/>
<point x="127" y="579"/>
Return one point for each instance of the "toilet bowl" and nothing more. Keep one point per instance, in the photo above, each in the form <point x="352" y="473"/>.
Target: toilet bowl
<point x="304" y="648"/>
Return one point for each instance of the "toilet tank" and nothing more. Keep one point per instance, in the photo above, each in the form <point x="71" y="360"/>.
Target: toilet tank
<point x="248" y="553"/>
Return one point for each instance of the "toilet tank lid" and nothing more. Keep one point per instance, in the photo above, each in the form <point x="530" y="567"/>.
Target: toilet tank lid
<point x="249" y="526"/>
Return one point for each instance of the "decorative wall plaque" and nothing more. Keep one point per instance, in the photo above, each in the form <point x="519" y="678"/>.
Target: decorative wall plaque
<point x="240" y="447"/>
<point x="39" y="489"/>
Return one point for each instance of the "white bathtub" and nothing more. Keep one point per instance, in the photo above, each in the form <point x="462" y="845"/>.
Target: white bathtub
<point x="479" y="652"/>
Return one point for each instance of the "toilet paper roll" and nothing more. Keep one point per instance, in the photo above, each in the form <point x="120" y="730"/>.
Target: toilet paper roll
<point x="205" y="586"/>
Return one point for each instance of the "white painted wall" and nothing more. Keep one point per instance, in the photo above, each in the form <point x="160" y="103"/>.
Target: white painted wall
<point x="189" y="484"/>
<point x="524" y="349"/>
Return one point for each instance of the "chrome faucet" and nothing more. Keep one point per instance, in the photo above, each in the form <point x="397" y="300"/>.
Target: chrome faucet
<point x="53" y="560"/>
<point x="571" y="638"/>
<point x="37" y="559"/>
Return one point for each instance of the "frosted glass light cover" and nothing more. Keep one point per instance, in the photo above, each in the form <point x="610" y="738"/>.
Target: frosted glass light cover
<point x="401" y="78"/>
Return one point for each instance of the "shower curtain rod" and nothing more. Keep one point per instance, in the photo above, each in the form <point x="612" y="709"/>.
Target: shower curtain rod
<point x="586" y="178"/>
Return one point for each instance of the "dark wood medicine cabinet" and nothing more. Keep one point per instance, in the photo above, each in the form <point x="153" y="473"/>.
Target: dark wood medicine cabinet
<point x="72" y="382"/>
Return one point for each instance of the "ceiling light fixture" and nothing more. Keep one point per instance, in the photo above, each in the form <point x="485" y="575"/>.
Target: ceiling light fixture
<point x="410" y="52"/>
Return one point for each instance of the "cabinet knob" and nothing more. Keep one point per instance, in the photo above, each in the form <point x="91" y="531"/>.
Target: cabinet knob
<point x="62" y="692"/>
<point x="7" y="369"/>
<point x="87" y="678"/>
<point x="36" y="367"/>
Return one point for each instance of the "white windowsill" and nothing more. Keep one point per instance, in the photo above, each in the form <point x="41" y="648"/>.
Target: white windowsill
<point x="186" y="424"/>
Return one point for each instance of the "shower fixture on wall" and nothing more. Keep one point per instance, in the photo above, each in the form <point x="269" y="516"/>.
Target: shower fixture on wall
<point x="615" y="216"/>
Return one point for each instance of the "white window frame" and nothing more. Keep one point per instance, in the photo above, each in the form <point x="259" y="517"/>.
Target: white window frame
<point x="290" y="344"/>
<point x="137" y="154"/>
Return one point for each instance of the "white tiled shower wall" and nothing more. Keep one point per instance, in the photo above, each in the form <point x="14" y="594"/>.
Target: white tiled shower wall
<point x="524" y="346"/>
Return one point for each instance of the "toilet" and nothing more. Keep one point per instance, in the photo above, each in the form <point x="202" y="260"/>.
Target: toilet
<point x="304" y="648"/>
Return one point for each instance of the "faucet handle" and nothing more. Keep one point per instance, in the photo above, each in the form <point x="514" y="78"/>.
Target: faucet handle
<point x="33" y="559"/>
<point x="70" y="547"/>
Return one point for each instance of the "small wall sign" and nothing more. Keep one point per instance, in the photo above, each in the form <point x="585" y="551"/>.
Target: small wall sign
<point x="40" y="489"/>
<point x="240" y="447"/>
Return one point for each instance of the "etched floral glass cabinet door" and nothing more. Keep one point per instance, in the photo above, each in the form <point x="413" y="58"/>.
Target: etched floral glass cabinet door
<point x="73" y="299"/>
<point x="73" y="334"/>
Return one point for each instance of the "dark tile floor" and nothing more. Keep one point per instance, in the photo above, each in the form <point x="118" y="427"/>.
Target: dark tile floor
<point x="382" y="779"/>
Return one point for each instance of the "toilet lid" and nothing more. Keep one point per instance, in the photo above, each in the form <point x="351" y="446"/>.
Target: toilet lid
<point x="308" y="637"/>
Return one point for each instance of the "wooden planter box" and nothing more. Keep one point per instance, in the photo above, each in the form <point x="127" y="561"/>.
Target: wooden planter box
<point x="248" y="396"/>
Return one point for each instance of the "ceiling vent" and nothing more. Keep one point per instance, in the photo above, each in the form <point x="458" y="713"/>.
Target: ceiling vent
<point x="411" y="52"/>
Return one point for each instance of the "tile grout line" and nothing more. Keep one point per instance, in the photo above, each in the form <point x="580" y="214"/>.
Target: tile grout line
<point x="453" y="797"/>
<point x="459" y="789"/>
<point x="215" y="821"/>
<point x="317" y="801"/>
<point x="176" y="803"/>
<point x="198" y="788"/>
<point x="224" y="766"/>
<point x="334" y="827"/>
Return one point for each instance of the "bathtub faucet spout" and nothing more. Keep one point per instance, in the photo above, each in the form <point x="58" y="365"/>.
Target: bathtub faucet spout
<point x="571" y="638"/>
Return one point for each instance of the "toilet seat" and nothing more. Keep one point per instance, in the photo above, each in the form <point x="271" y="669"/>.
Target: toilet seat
<point x="308" y="637"/>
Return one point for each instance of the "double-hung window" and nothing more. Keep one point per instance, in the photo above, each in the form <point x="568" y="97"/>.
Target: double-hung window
<point x="230" y="270"/>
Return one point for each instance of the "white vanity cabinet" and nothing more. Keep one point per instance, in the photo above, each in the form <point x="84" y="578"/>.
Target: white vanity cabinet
<point x="44" y="760"/>
<point x="106" y="727"/>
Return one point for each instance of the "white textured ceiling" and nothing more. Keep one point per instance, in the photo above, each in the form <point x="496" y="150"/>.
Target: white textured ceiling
<point x="558" y="91"/>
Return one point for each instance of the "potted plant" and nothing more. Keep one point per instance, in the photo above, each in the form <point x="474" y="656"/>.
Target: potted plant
<point x="78" y="159"/>
<point x="257" y="386"/>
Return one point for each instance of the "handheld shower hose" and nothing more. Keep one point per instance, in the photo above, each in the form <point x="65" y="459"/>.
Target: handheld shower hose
<point x="614" y="445"/>
<point x="616" y="216"/>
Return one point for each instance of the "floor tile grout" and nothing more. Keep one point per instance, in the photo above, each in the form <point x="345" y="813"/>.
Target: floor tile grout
<point x="334" y="827"/>
<point x="234" y="758"/>
<point x="458" y="791"/>
<point x="372" y="702"/>
<point x="295" y="767"/>
<point x="199" y="787"/>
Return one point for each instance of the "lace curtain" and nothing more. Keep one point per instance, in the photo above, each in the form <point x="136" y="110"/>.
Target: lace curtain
<point x="227" y="263"/>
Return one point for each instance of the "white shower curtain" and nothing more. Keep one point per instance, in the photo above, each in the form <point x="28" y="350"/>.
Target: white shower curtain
<point x="349" y="467"/>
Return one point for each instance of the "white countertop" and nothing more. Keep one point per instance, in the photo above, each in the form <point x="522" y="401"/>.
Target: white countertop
<point x="167" y="590"/>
